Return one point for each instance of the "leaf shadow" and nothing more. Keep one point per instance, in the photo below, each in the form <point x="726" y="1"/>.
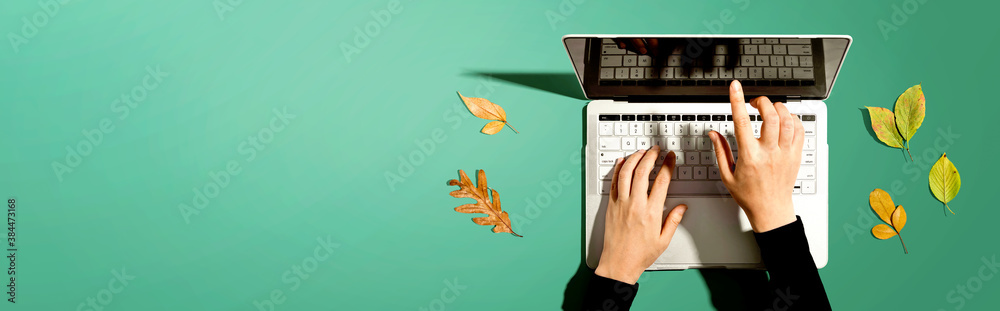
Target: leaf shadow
<point x="867" y="119"/>
<point x="561" y="83"/>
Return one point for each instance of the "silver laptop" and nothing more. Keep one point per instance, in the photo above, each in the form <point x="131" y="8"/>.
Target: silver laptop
<point x="671" y="90"/>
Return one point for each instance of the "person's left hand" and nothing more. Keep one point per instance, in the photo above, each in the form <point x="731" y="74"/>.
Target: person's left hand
<point x="634" y="235"/>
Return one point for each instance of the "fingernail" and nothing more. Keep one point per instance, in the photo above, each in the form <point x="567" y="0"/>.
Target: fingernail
<point x="736" y="86"/>
<point x="642" y="50"/>
<point x="683" y="209"/>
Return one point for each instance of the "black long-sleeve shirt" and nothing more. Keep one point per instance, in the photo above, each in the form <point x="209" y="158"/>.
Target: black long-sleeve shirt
<point x="794" y="281"/>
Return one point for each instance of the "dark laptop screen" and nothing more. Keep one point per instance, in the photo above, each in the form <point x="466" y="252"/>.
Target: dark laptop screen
<point x="700" y="68"/>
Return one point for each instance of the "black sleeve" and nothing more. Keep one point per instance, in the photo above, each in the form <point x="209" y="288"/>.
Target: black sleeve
<point x="607" y="294"/>
<point x="794" y="282"/>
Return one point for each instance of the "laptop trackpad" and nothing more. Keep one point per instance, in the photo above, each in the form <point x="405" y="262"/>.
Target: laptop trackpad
<point x="714" y="232"/>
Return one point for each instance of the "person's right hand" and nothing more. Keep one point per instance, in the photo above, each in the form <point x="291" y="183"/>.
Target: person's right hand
<point x="762" y="181"/>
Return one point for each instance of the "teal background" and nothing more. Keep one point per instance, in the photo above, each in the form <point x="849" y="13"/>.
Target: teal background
<point x="324" y="174"/>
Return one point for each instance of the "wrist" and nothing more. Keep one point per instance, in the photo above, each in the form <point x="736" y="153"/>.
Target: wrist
<point x="614" y="272"/>
<point x="772" y="217"/>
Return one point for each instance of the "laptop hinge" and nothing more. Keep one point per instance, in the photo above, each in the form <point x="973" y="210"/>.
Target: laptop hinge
<point x="793" y="99"/>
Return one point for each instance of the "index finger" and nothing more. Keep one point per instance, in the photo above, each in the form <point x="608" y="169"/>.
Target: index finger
<point x="741" y="120"/>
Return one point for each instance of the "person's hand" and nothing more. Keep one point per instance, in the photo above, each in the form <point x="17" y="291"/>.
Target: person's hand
<point x="762" y="181"/>
<point x="638" y="45"/>
<point x="635" y="233"/>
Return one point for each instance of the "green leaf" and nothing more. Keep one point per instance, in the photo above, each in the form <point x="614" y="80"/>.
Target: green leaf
<point x="884" y="126"/>
<point x="945" y="180"/>
<point x="909" y="111"/>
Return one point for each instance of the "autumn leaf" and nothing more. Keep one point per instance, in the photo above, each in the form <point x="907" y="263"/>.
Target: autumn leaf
<point x="884" y="126"/>
<point x="945" y="180"/>
<point x="909" y="112"/>
<point x="485" y="109"/>
<point x="882" y="204"/>
<point x="484" y="204"/>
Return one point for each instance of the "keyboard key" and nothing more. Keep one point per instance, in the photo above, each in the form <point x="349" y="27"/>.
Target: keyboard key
<point x="604" y="172"/>
<point x="650" y="73"/>
<point x="809" y="157"/>
<point x="770" y="73"/>
<point x="635" y="128"/>
<point x="796" y="49"/>
<point x="697" y="73"/>
<point x="673" y="143"/>
<point x="744" y="41"/>
<point x="784" y="73"/>
<point x="711" y="126"/>
<point x="747" y="60"/>
<point x="721" y="49"/>
<point x="809" y="127"/>
<point x="699" y="172"/>
<point x="727" y="129"/>
<point x="713" y="173"/>
<point x="794" y="41"/>
<point x="802" y="73"/>
<point x="610" y="143"/>
<point x="607" y="73"/>
<point x="780" y="49"/>
<point x="643" y="117"/>
<point x="740" y="73"/>
<point x="777" y="61"/>
<point x="697" y="129"/>
<point x="792" y="61"/>
<point x="797" y="189"/>
<point x="680" y="129"/>
<point x="763" y="60"/>
<point x="674" y="60"/>
<point x="628" y="143"/>
<point x="684" y="172"/>
<point x="704" y="143"/>
<point x="757" y="41"/>
<point x="755" y="73"/>
<point x="637" y="73"/>
<point x="609" y="49"/>
<point x="673" y="117"/>
<point x="643" y="143"/>
<point x="750" y="49"/>
<point x="809" y="144"/>
<point x="807" y="172"/>
<point x="708" y="158"/>
<point x="651" y="129"/>
<point x="666" y="129"/>
<point x="806" y="61"/>
<point x="725" y="73"/>
<point x="628" y="117"/>
<point x="659" y="117"/>
<point x="771" y="41"/>
<point x="692" y="158"/>
<point x="611" y="61"/>
<point x="621" y="128"/>
<point x="680" y="157"/>
<point x="712" y="73"/>
<point x="609" y="117"/>
<point x="606" y="187"/>
<point x="606" y="129"/>
<point x="689" y="143"/>
<point x="666" y="73"/>
<point x="629" y="60"/>
<point x="644" y="60"/>
<point x="764" y="49"/>
<point x="808" y="186"/>
<point x="609" y="157"/>
<point x="621" y="73"/>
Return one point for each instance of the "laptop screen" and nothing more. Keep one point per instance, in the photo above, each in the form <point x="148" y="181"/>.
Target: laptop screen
<point x="699" y="68"/>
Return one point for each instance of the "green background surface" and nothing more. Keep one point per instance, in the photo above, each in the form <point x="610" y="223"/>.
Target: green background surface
<point x="398" y="245"/>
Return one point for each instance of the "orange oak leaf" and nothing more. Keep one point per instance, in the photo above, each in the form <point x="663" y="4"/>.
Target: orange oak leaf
<point x="484" y="204"/>
<point x="485" y="109"/>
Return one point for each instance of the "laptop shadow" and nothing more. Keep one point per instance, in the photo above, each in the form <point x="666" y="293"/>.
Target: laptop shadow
<point x="562" y="83"/>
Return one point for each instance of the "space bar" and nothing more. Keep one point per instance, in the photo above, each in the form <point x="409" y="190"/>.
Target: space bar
<point x="689" y="187"/>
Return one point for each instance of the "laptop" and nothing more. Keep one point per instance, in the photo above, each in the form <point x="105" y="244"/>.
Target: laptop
<point x="671" y="90"/>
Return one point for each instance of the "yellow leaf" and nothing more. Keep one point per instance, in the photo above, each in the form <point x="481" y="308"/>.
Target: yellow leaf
<point x="884" y="126"/>
<point x="899" y="218"/>
<point x="485" y="109"/>
<point x="493" y="127"/>
<point x="909" y="111"/>
<point x="495" y="216"/>
<point x="945" y="180"/>
<point x="883" y="232"/>
<point x="882" y="204"/>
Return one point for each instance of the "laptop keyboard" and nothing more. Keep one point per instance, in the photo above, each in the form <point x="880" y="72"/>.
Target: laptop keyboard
<point x="697" y="171"/>
<point x="756" y="62"/>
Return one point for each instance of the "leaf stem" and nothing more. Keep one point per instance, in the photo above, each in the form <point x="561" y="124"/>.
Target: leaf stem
<point x="949" y="209"/>
<point x="511" y="127"/>
<point x="901" y="242"/>
<point x="908" y="151"/>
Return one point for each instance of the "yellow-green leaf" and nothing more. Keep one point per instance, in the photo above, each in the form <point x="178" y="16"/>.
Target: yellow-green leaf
<point x="945" y="180"/>
<point x="884" y="126"/>
<point x="909" y="111"/>
<point x="881" y="202"/>
<point x="883" y="232"/>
